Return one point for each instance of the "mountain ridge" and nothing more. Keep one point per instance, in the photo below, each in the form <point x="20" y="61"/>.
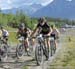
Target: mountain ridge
<point x="57" y="9"/>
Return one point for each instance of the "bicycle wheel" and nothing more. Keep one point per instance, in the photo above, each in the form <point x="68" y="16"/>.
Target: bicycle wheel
<point x="39" y="55"/>
<point x="20" y="50"/>
<point x="4" y="52"/>
<point x="30" y="52"/>
<point x="30" y="48"/>
<point x="52" y="47"/>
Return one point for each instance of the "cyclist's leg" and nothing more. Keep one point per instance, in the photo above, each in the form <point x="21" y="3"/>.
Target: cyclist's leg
<point x="33" y="42"/>
<point x="48" y="42"/>
<point x="55" y="43"/>
<point x="45" y="42"/>
<point x="26" y="42"/>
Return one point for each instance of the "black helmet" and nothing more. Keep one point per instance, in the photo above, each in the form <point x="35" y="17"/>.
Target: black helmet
<point x="42" y="19"/>
<point x="22" y="26"/>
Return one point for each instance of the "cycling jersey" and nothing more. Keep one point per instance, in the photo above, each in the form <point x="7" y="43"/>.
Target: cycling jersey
<point x="54" y="33"/>
<point x="45" y="29"/>
<point x="23" y="33"/>
<point x="5" y="33"/>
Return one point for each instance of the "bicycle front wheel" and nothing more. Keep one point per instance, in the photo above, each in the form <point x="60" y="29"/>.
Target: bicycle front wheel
<point x="4" y="52"/>
<point x="20" y="50"/>
<point x="52" y="48"/>
<point x="39" y="55"/>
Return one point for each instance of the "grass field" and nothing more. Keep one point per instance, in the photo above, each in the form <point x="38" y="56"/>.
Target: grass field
<point x="12" y="37"/>
<point x="10" y="28"/>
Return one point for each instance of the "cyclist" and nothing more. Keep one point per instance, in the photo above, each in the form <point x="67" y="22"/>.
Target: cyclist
<point x="44" y="29"/>
<point x="55" y="34"/>
<point x="5" y="35"/>
<point x="23" y="31"/>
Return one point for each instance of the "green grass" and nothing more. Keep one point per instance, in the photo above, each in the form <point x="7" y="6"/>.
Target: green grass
<point x="10" y="28"/>
<point x="25" y="67"/>
<point x="12" y="37"/>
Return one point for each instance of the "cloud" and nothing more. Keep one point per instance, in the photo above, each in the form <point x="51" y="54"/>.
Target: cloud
<point x="5" y="4"/>
<point x="9" y="2"/>
<point x="16" y="3"/>
<point x="69" y="0"/>
<point x="46" y="3"/>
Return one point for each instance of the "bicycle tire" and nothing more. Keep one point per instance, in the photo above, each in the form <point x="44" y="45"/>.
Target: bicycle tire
<point x="38" y="53"/>
<point x="20" y="52"/>
<point x="52" y="48"/>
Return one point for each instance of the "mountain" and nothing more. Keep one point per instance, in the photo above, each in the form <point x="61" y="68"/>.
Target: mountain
<point x="28" y="9"/>
<point x="37" y="6"/>
<point x="57" y="9"/>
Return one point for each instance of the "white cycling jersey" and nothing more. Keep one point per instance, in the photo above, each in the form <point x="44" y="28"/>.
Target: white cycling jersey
<point x="55" y="31"/>
<point x="5" y="32"/>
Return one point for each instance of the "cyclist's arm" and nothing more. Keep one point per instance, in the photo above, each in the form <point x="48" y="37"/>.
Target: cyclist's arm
<point x="18" y="34"/>
<point x="7" y="33"/>
<point x="58" y="32"/>
<point x="28" y="31"/>
<point x="50" y="31"/>
<point x="34" y="32"/>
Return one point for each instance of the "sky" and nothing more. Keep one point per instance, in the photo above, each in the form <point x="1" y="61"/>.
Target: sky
<point x="8" y="4"/>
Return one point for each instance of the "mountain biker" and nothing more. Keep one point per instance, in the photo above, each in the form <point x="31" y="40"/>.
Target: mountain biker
<point x="44" y="29"/>
<point x="5" y="35"/>
<point x="55" y="34"/>
<point x="23" y="31"/>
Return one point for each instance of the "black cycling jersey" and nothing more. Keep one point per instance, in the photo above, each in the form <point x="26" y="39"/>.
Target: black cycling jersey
<point x="45" y="29"/>
<point x="53" y="35"/>
<point x="24" y="33"/>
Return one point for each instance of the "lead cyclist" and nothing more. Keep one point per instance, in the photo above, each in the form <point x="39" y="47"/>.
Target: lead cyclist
<point x="44" y="29"/>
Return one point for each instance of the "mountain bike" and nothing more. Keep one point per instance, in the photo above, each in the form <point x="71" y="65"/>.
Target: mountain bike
<point x="3" y="50"/>
<point x="21" y="48"/>
<point x="41" y="50"/>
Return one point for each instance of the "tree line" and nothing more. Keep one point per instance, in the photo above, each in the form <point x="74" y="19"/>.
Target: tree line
<point x="13" y="20"/>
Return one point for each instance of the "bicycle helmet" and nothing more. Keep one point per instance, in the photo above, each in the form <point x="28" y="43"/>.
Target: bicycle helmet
<point x="22" y="26"/>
